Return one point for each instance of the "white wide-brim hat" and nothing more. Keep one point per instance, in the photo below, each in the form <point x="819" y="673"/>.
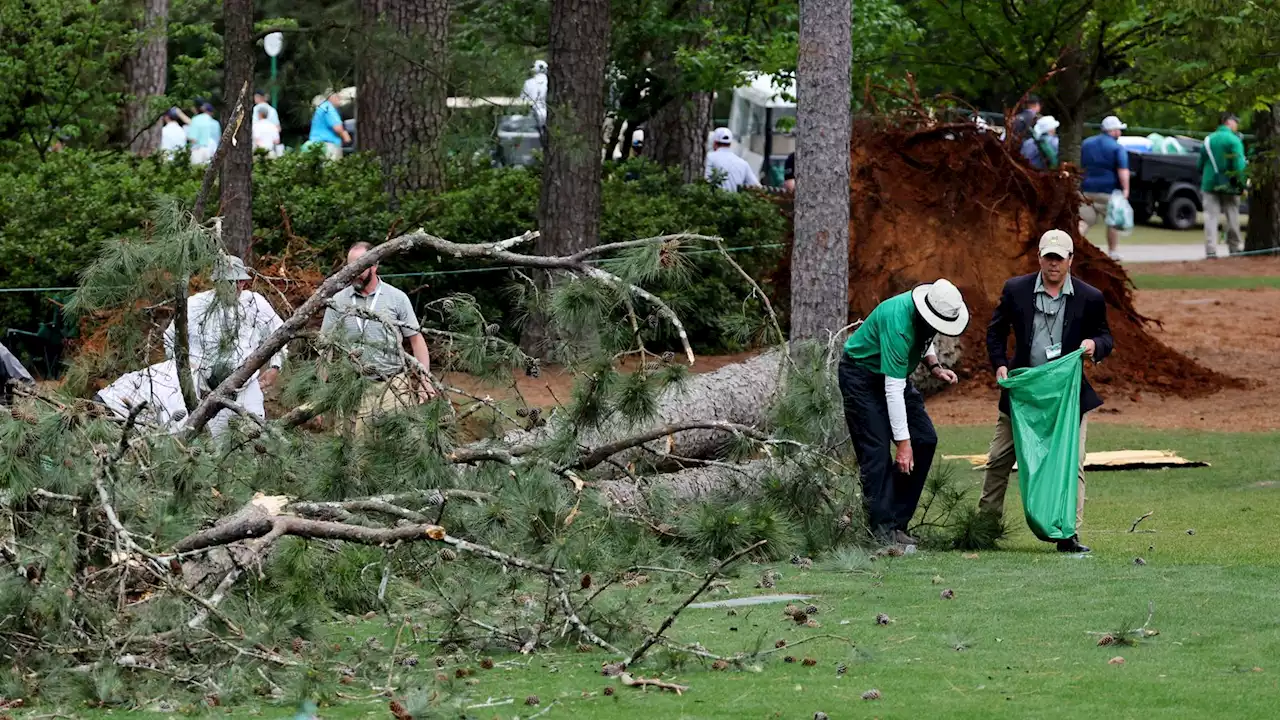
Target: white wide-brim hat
<point x="941" y="305"/>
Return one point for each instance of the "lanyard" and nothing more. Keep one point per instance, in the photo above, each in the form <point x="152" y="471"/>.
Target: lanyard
<point x="362" y="321"/>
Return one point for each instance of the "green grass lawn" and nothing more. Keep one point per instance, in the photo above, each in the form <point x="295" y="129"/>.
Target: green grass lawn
<point x="1157" y="234"/>
<point x="1204" y="282"/>
<point x="1022" y="617"/>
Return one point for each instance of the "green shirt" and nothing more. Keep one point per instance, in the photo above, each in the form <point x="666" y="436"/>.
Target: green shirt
<point x="886" y="342"/>
<point x="1228" y="153"/>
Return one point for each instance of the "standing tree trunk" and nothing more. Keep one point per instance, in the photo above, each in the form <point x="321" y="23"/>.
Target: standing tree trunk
<point x="403" y="90"/>
<point x="146" y="73"/>
<point x="237" y="168"/>
<point x="1264" y="196"/>
<point x="569" y="211"/>
<point x="677" y="134"/>
<point x="820" y="254"/>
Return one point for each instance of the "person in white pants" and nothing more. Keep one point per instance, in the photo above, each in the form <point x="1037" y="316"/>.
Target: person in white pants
<point x="224" y="327"/>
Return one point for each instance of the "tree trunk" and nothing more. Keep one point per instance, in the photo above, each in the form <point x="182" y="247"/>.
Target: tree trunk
<point x="677" y="134"/>
<point x="403" y="91"/>
<point x="820" y="256"/>
<point x="695" y="483"/>
<point x="237" y="167"/>
<point x="146" y="73"/>
<point x="1264" y="197"/>
<point x="569" y="210"/>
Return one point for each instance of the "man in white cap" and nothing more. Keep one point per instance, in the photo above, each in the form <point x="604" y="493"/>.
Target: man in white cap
<point x="883" y="409"/>
<point x="225" y="326"/>
<point x="1049" y="313"/>
<point x="726" y="169"/>
<point x="535" y="91"/>
<point x="1106" y="169"/>
<point x="1041" y="147"/>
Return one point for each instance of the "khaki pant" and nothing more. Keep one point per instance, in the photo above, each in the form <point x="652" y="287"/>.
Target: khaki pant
<point x="1216" y="204"/>
<point x="1094" y="210"/>
<point x="395" y="393"/>
<point x="1000" y="460"/>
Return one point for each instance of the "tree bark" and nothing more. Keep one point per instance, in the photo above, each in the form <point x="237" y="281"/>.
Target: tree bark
<point x="1264" y="196"/>
<point x="693" y="483"/>
<point x="569" y="209"/>
<point x="146" y="74"/>
<point x="820" y="256"/>
<point x="677" y="134"/>
<point x="403" y="91"/>
<point x="237" y="168"/>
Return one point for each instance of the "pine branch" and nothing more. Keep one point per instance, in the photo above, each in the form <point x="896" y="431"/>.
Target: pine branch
<point x="657" y="636"/>
<point x="600" y="454"/>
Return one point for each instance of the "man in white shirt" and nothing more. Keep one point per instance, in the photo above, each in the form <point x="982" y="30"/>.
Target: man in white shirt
<point x="157" y="385"/>
<point x="726" y="169"/>
<point x="260" y="103"/>
<point x="224" y="326"/>
<point x="266" y="134"/>
<point x="173" y="136"/>
<point x="535" y="91"/>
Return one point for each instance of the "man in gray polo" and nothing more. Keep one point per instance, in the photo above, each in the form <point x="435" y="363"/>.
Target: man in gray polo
<point x="378" y="341"/>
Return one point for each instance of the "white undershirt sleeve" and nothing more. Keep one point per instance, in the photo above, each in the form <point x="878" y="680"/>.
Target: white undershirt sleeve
<point x="933" y="350"/>
<point x="893" y="396"/>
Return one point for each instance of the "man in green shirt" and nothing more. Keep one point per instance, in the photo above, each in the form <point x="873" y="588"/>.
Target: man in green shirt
<point x="1222" y="179"/>
<point x="883" y="408"/>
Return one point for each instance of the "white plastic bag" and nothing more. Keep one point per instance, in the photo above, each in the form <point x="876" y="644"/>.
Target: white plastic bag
<point x="1119" y="212"/>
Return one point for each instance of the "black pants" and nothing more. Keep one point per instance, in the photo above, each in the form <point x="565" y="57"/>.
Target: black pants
<point x="890" y="496"/>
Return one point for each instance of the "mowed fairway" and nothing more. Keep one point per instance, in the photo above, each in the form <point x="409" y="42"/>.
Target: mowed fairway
<point x="1014" y="642"/>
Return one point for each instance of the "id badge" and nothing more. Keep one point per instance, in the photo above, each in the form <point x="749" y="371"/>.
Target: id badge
<point x="1053" y="352"/>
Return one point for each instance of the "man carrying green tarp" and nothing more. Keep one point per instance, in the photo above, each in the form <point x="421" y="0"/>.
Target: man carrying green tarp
<point x="1044" y="393"/>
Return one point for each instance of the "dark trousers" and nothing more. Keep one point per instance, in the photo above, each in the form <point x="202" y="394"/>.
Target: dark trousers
<point x="890" y="496"/>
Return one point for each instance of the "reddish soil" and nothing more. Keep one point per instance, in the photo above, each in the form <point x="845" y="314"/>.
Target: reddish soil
<point x="1268" y="265"/>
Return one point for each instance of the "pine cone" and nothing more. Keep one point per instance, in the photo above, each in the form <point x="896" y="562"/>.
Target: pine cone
<point x="1107" y="639"/>
<point x="883" y="619"/>
<point x="535" y="413"/>
<point x="1139" y="561"/>
<point x="1191" y="531"/>
<point x="447" y="554"/>
<point x="811" y="609"/>
<point x="586" y="581"/>
<point x="808" y="662"/>
<point x="800" y="617"/>
<point x="780" y="644"/>
<point x="299" y="645"/>
<point x="788" y="659"/>
<point x="487" y="663"/>
<point x="585" y="648"/>
<point x="398" y="711"/>
<point x="492" y="329"/>
<point x="440" y="661"/>
<point x="652" y="320"/>
<point x="668" y="356"/>
<point x="872" y="694"/>
<point x="461" y="672"/>
<point x="842" y="669"/>
<point x="411" y="661"/>
<point x="948" y="594"/>
<point x="532" y="367"/>
<point x="531" y="700"/>
<point x="608" y="690"/>
<point x="719" y="665"/>
<point x="522" y="412"/>
<point x="820" y="716"/>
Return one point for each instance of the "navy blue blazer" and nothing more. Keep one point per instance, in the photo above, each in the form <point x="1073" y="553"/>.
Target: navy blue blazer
<point x="1086" y="318"/>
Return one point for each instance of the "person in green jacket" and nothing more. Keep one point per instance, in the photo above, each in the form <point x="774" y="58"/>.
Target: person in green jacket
<point x="1222" y="180"/>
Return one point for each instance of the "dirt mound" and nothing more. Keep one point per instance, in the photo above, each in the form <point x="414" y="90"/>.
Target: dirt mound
<point x="929" y="201"/>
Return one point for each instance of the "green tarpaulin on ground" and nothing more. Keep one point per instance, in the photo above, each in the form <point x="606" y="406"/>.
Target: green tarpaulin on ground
<point x="1044" y="407"/>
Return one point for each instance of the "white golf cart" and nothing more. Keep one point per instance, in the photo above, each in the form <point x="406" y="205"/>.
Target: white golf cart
<point x="762" y="118"/>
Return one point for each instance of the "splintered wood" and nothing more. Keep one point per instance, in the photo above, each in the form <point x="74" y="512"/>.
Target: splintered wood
<point x="1114" y="460"/>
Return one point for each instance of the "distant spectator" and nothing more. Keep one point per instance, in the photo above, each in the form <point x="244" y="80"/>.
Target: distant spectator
<point x="1024" y="121"/>
<point x="1222" y="178"/>
<point x="726" y="169"/>
<point x="260" y="102"/>
<point x="173" y="136"/>
<point x="789" y="173"/>
<point x="1106" y="169"/>
<point x="535" y="91"/>
<point x="266" y="134"/>
<point x="204" y="132"/>
<point x="327" y="129"/>
<point x="1041" y="149"/>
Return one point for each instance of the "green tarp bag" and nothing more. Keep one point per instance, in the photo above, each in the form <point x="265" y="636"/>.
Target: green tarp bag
<point x="1044" y="409"/>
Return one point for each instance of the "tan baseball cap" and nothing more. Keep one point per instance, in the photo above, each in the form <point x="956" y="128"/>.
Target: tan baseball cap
<point x="1056" y="242"/>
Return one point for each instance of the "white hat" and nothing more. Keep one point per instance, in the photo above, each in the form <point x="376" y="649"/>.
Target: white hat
<point x="229" y="267"/>
<point x="1046" y="123"/>
<point x="722" y="136"/>
<point x="1111" y="122"/>
<point x="1056" y="242"/>
<point x="940" y="304"/>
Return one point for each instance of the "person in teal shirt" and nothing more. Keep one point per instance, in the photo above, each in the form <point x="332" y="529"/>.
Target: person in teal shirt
<point x="327" y="128"/>
<point x="204" y="133"/>
<point x="1222" y="179"/>
<point x="882" y="408"/>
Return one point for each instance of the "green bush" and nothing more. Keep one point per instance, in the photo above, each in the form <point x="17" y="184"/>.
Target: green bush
<point x="54" y="216"/>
